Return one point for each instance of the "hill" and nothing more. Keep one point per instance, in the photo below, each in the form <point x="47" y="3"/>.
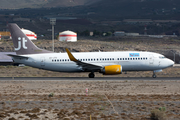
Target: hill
<point x="135" y="8"/>
<point x="67" y="3"/>
<point x="116" y="9"/>
<point x="18" y="4"/>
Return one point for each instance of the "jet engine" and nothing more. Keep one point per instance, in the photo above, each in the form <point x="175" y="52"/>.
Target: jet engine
<point x="112" y="70"/>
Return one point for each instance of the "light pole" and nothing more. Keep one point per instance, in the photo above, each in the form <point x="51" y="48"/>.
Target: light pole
<point x="53" y="22"/>
<point x="174" y="53"/>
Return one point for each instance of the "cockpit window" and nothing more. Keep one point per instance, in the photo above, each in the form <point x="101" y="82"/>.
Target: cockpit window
<point x="162" y="57"/>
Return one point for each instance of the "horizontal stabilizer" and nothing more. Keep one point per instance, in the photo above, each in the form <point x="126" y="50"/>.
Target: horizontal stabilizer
<point x="17" y="56"/>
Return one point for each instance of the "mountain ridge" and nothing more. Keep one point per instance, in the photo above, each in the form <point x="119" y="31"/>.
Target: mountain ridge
<point x="18" y="4"/>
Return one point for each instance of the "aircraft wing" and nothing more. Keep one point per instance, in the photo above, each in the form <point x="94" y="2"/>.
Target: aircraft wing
<point x="85" y="66"/>
<point x="17" y="56"/>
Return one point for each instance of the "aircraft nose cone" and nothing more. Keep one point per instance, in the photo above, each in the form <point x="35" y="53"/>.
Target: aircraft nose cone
<point x="171" y="63"/>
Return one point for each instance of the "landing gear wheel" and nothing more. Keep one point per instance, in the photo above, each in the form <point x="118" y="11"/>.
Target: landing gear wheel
<point x="154" y="75"/>
<point x="91" y="75"/>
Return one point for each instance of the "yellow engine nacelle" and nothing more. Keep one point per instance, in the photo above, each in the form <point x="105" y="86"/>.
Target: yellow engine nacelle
<point x="112" y="70"/>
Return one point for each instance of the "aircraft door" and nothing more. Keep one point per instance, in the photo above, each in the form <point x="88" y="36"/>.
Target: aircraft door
<point x="151" y="59"/>
<point x="42" y="61"/>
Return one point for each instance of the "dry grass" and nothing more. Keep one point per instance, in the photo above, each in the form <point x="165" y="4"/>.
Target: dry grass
<point x="105" y="44"/>
<point x="130" y="99"/>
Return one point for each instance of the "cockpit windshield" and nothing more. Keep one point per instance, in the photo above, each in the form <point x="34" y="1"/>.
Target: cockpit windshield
<point x="162" y="57"/>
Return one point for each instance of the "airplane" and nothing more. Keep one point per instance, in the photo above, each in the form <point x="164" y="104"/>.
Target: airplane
<point x="107" y="63"/>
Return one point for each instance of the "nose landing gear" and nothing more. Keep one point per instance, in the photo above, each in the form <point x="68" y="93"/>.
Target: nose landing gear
<point x="154" y="74"/>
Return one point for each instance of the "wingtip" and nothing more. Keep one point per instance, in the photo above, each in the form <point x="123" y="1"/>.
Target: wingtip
<point x="67" y="50"/>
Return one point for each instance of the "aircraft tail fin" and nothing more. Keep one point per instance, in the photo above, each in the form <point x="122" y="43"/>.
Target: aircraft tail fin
<point x="22" y="44"/>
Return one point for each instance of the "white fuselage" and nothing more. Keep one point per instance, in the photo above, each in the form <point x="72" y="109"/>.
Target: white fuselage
<point x="129" y="60"/>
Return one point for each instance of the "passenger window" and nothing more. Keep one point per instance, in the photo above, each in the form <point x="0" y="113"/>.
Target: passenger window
<point x="97" y="59"/>
<point x="128" y="58"/>
<point x="58" y="60"/>
<point x="94" y="59"/>
<point x="52" y="60"/>
<point x="125" y="58"/>
<point x="138" y="58"/>
<point x="91" y="59"/>
<point x="118" y="59"/>
<point x="108" y="59"/>
<point x="103" y="59"/>
<point x="113" y="59"/>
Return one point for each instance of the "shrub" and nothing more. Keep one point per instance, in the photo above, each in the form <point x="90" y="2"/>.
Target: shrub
<point x="158" y="115"/>
<point x="51" y="95"/>
<point x="162" y="108"/>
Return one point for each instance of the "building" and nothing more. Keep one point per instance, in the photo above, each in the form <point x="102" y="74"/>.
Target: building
<point x="68" y="36"/>
<point x="21" y="20"/>
<point x="138" y="21"/>
<point x="119" y="33"/>
<point x="31" y="35"/>
<point x="132" y="34"/>
<point x="167" y="21"/>
<point x="5" y="33"/>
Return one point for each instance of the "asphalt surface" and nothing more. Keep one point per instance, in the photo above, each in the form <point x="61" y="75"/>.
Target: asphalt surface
<point x="88" y="79"/>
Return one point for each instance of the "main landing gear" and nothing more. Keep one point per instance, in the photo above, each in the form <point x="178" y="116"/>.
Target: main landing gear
<point x="91" y="75"/>
<point x="154" y="75"/>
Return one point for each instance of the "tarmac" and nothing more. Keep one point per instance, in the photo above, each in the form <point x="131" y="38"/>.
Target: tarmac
<point x="88" y="79"/>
